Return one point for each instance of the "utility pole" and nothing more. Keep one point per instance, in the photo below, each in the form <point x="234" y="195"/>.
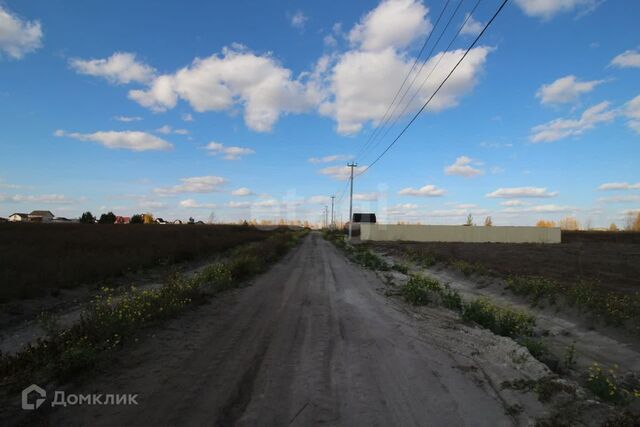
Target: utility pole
<point x="351" y="165"/>
<point x="326" y="214"/>
<point x="333" y="222"/>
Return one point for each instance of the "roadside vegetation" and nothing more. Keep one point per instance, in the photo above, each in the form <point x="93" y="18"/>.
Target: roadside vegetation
<point x="605" y="383"/>
<point x="611" y="307"/>
<point x="112" y="319"/>
<point x="40" y="259"/>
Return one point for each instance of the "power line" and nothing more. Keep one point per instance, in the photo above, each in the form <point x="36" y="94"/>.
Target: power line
<point x="386" y="121"/>
<point x="424" y="81"/>
<point x="475" y="41"/>
<point x="424" y="45"/>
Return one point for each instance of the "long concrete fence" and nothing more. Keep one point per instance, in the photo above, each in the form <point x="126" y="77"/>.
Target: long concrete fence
<point x="459" y="233"/>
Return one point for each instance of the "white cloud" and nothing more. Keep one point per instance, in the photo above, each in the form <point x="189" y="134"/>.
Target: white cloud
<point x="516" y="192"/>
<point x="239" y="205"/>
<point x="196" y="184"/>
<point x="230" y="153"/>
<point x="128" y="140"/>
<point x="632" y="111"/>
<point x="562" y="128"/>
<point x="471" y="27"/>
<point x="330" y="159"/>
<point x="362" y="83"/>
<point x="542" y="209"/>
<point x="429" y="190"/>
<point x="456" y="212"/>
<point x="627" y="59"/>
<point x="166" y="129"/>
<point x="393" y="23"/>
<point x="513" y="203"/>
<point x="319" y="200"/>
<point x="127" y="119"/>
<point x="626" y="198"/>
<point x="192" y="204"/>
<point x="237" y="78"/>
<point x="42" y="198"/>
<point x="341" y="173"/>
<point x="619" y="186"/>
<point x="565" y="90"/>
<point x="462" y="167"/>
<point x="119" y="68"/>
<point x="187" y="117"/>
<point x="366" y="197"/>
<point x="242" y="191"/>
<point x="298" y="20"/>
<point x="18" y="37"/>
<point x="160" y="95"/>
<point x="546" y="9"/>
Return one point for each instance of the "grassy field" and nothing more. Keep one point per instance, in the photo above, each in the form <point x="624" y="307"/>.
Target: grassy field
<point x="36" y="259"/>
<point x="610" y="260"/>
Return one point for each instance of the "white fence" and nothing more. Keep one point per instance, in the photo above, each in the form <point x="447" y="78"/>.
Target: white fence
<point x="459" y="233"/>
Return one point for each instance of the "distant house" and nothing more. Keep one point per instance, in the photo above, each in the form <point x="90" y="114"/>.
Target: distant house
<point x="177" y="221"/>
<point x="160" y="221"/>
<point x="122" y="220"/>
<point x="61" y="220"/>
<point x="19" y="217"/>
<point x="3" y="219"/>
<point x="41" y="216"/>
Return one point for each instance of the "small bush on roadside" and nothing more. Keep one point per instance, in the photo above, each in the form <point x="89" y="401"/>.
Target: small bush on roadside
<point x="368" y="259"/>
<point x="536" y="347"/>
<point x="401" y="268"/>
<point x="419" y="290"/>
<point x="602" y="383"/>
<point x="245" y="266"/>
<point x="451" y="299"/>
<point x="536" y="287"/>
<point x="468" y="268"/>
<point x="501" y="320"/>
<point x="217" y="276"/>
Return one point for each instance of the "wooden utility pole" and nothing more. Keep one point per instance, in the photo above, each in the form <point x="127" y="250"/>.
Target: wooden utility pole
<point x="333" y="222"/>
<point x="351" y="165"/>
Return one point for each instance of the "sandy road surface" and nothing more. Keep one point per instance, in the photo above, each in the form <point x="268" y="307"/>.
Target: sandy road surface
<point x="312" y="341"/>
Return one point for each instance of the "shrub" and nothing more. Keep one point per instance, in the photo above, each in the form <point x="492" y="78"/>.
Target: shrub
<point x="536" y="287"/>
<point x="536" y="347"/>
<point x="419" y="289"/>
<point x="402" y="268"/>
<point x="217" y="276"/>
<point x="500" y="320"/>
<point x="245" y="266"/>
<point x="602" y="383"/>
<point x="451" y="299"/>
<point x="370" y="260"/>
<point x="468" y="268"/>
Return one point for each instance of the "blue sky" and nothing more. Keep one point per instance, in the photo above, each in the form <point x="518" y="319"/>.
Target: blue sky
<point x="252" y="109"/>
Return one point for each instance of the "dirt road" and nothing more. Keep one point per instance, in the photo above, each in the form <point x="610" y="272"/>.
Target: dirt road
<point x="313" y="341"/>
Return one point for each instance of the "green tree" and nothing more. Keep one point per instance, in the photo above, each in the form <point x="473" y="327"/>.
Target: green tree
<point x="108" y="218"/>
<point x="488" y="222"/>
<point x="136" y="219"/>
<point x="87" y="218"/>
